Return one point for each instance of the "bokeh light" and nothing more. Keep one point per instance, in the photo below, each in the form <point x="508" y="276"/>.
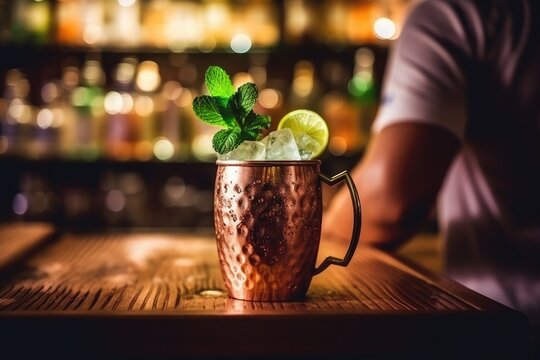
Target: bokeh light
<point x="126" y="3"/>
<point x="20" y="204"/>
<point x="337" y="145"/>
<point x="270" y="98"/>
<point x="384" y="28"/>
<point x="163" y="149"/>
<point x="148" y="78"/>
<point x="241" y="43"/>
<point x="115" y="200"/>
<point x="92" y="34"/>
<point x="144" y="105"/>
<point x="45" y="118"/>
<point x="113" y="102"/>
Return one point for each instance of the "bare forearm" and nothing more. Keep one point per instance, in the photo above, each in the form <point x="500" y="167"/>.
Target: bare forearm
<point x="398" y="181"/>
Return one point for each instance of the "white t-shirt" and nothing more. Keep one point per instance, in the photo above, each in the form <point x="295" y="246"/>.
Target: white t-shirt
<point x="473" y="68"/>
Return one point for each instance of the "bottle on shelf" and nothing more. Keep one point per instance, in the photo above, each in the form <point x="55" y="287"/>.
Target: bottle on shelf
<point x="87" y="100"/>
<point x="17" y="122"/>
<point x="120" y="129"/>
<point x="31" y="22"/>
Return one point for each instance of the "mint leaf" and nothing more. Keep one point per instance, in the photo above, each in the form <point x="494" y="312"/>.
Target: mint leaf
<point x="229" y="109"/>
<point x="211" y="110"/>
<point x="243" y="101"/>
<point x="226" y="140"/>
<point x="218" y="82"/>
<point x="256" y="122"/>
<point x="253" y="124"/>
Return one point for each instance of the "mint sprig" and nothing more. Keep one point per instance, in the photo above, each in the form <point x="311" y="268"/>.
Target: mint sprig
<point x="230" y="109"/>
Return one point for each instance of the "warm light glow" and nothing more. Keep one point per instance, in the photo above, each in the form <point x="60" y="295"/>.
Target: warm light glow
<point x="127" y="103"/>
<point x="303" y="81"/>
<point x="125" y="71"/>
<point x="144" y="105"/>
<point x="148" y="78"/>
<point x="258" y="73"/>
<point x="70" y="77"/>
<point x="49" y="92"/>
<point x="185" y="98"/>
<point x="241" y="78"/>
<point x="297" y="20"/>
<point x="202" y="147"/>
<point x="58" y="117"/>
<point x="92" y="34"/>
<point x="16" y="109"/>
<point x="163" y="149"/>
<point x="208" y="44"/>
<point x="216" y="15"/>
<point x="143" y="150"/>
<point x="270" y="98"/>
<point x="241" y="43"/>
<point x="364" y="58"/>
<point x="303" y="85"/>
<point x="113" y="102"/>
<point x="384" y="28"/>
<point x="45" y="118"/>
<point x="126" y="3"/>
<point x="337" y="145"/>
<point x="171" y="90"/>
<point x="19" y="111"/>
<point x="121" y="151"/>
<point x="92" y="72"/>
<point x="183" y="25"/>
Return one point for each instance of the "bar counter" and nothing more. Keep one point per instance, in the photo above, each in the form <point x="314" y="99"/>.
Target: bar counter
<point x="142" y="295"/>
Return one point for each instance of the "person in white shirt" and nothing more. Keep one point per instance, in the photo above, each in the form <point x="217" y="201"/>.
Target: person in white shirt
<point x="459" y="127"/>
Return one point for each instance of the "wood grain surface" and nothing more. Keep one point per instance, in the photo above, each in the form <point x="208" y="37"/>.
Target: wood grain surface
<point x="17" y="239"/>
<point x="104" y="287"/>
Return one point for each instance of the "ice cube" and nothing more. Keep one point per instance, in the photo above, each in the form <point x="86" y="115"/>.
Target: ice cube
<point x="306" y="146"/>
<point x="264" y="140"/>
<point x="247" y="150"/>
<point x="282" y="146"/>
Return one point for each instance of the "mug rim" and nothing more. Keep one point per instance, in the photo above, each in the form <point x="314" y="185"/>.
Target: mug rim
<point x="267" y="162"/>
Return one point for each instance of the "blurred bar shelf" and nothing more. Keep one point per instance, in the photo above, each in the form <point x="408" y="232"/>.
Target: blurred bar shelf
<point x="160" y="295"/>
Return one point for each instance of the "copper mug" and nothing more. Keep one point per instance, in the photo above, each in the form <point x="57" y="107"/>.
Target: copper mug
<point x="267" y="217"/>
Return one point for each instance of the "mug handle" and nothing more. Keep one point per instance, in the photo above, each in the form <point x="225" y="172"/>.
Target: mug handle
<point x="331" y="260"/>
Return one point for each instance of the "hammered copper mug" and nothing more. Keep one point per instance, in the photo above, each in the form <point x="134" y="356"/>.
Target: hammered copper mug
<point x="267" y="217"/>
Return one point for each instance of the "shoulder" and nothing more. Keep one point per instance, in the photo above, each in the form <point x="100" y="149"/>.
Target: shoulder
<point x="453" y="23"/>
<point x="473" y="24"/>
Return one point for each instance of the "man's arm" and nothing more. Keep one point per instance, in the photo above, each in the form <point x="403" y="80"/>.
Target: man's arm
<point x="398" y="181"/>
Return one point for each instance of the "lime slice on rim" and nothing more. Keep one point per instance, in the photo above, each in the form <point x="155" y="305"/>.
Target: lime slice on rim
<point x="309" y="130"/>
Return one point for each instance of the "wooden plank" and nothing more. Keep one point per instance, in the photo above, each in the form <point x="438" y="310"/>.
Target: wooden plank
<point x="150" y="291"/>
<point x="142" y="272"/>
<point x="17" y="239"/>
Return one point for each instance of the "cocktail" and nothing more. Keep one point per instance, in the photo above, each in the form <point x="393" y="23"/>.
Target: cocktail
<point x="267" y="197"/>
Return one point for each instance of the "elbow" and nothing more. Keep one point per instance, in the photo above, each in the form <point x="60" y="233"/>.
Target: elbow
<point x="389" y="217"/>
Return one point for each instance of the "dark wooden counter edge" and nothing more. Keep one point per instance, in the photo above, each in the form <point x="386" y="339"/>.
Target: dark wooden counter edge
<point x="215" y="334"/>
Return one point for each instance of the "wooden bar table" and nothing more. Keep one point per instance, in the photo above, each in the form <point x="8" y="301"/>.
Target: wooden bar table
<point x="147" y="295"/>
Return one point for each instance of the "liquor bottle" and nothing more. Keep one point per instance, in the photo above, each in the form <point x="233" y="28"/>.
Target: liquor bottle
<point x="87" y="100"/>
<point x="17" y="127"/>
<point x="120" y="126"/>
<point x="341" y="112"/>
<point x="31" y="21"/>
